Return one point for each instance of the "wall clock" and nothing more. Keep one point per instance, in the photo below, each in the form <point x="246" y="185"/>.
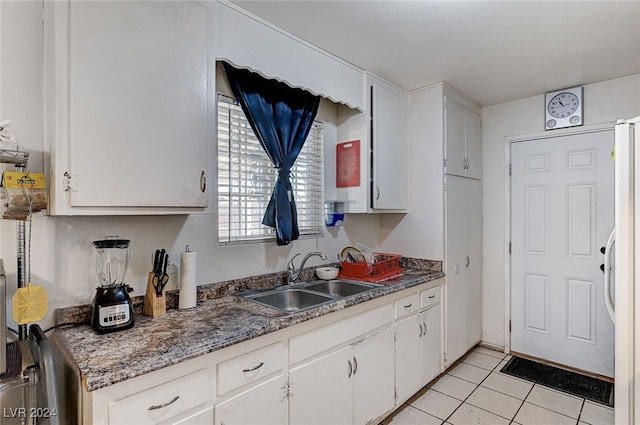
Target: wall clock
<point x="563" y="108"/>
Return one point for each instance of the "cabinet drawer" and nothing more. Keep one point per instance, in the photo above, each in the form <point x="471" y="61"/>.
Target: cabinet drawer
<point x="430" y="297"/>
<point x="162" y="402"/>
<point x="316" y="341"/>
<point x="249" y="367"/>
<point x="407" y="305"/>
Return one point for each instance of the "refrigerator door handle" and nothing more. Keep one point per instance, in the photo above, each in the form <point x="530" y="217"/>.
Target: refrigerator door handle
<point x="608" y="299"/>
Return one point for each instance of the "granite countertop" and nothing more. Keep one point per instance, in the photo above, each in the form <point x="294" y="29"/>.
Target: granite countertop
<point x="219" y="320"/>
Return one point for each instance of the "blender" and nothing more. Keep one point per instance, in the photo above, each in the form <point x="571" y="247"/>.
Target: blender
<point x="112" y="306"/>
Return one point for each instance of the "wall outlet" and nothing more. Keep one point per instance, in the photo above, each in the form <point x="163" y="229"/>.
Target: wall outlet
<point x="173" y="270"/>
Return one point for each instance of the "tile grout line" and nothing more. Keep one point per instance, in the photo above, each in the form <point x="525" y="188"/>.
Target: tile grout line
<point x="584" y="401"/>
<point x="478" y="386"/>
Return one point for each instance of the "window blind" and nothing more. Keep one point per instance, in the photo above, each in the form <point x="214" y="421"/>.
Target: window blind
<point x="246" y="178"/>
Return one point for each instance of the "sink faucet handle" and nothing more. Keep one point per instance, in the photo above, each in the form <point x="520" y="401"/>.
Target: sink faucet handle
<point x="290" y="265"/>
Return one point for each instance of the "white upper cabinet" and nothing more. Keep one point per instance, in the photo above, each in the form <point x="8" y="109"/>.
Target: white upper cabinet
<point x="128" y="105"/>
<point x="463" y="139"/>
<point x="383" y="161"/>
<point x="389" y="114"/>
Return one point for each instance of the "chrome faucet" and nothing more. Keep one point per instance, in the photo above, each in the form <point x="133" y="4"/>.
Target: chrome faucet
<point x="293" y="273"/>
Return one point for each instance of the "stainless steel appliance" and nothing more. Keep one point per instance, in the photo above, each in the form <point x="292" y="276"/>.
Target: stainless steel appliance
<point x="29" y="389"/>
<point x="112" y="306"/>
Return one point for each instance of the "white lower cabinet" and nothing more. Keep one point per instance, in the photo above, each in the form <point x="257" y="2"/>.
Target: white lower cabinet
<point x="353" y="384"/>
<point x="350" y="368"/>
<point x="463" y="266"/>
<point x="408" y="357"/>
<point x="320" y="391"/>
<point x="431" y="344"/>
<point x="264" y="404"/>
<point x="167" y="403"/>
<point x="202" y="418"/>
<point x="373" y="376"/>
<point x="418" y="351"/>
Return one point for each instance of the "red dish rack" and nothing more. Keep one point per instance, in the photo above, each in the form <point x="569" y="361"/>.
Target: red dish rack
<point x="385" y="267"/>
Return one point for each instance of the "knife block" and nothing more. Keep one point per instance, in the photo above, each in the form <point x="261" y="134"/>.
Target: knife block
<point x="154" y="305"/>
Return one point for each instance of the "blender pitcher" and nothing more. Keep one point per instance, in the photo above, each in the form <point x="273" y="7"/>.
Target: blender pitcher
<point x="112" y="259"/>
<point x="112" y="306"/>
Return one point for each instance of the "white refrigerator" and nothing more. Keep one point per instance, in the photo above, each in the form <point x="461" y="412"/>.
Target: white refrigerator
<point x="627" y="273"/>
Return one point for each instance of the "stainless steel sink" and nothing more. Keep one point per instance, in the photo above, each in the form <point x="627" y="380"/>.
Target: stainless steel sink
<point x="306" y="295"/>
<point x="290" y="299"/>
<point x="338" y="287"/>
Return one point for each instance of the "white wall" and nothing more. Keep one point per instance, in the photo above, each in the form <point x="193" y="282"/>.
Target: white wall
<point x="61" y="254"/>
<point x="605" y="102"/>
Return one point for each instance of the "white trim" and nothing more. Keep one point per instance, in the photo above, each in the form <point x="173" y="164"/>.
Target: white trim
<point x="508" y="140"/>
<point x="288" y="35"/>
<point x="244" y="40"/>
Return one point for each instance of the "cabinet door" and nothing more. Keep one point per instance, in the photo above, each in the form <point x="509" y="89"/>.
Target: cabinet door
<point x="137" y="104"/>
<point x="431" y="344"/>
<point x="389" y="146"/>
<point x="464" y="265"/>
<point x="202" y="418"/>
<point x="264" y="404"/>
<point x="373" y="377"/>
<point x="320" y="391"/>
<point x="473" y="144"/>
<point x="456" y="270"/>
<point x="454" y="124"/>
<point x="408" y="357"/>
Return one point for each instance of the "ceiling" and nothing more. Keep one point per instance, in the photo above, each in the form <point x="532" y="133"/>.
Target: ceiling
<point x="492" y="51"/>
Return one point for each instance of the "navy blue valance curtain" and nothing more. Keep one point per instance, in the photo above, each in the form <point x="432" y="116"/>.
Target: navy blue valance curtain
<point x="281" y="117"/>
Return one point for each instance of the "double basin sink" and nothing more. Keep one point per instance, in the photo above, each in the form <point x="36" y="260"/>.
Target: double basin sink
<point x="306" y="295"/>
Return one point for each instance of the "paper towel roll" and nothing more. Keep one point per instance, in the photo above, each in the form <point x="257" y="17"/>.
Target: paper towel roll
<point x="188" y="277"/>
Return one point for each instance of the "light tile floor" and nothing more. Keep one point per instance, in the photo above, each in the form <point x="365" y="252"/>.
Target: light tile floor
<point x="474" y="391"/>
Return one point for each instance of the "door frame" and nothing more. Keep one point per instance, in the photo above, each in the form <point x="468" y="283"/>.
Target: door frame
<point x="508" y="140"/>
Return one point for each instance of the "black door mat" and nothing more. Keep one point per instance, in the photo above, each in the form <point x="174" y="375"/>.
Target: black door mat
<point x="569" y="382"/>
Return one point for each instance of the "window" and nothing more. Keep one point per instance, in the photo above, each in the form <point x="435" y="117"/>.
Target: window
<point x="246" y="178"/>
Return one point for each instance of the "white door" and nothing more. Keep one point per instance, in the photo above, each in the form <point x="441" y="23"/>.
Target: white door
<point x="263" y="404"/>
<point x="454" y="127"/>
<point x="431" y="344"/>
<point x="561" y="214"/>
<point x="389" y="146"/>
<point x="320" y="391"/>
<point x="373" y="377"/>
<point x="137" y="104"/>
<point x="463" y="265"/>
<point x="409" y="357"/>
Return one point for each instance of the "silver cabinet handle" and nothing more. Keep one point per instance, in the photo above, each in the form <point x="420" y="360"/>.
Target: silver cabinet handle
<point x="165" y="404"/>
<point x="420" y="331"/>
<point x="431" y="297"/>
<point x="350" y="368"/>
<point x="468" y="261"/>
<point x="425" y="328"/>
<point x="377" y="192"/>
<point x="203" y="181"/>
<point x="355" y="365"/>
<point x="253" y="368"/>
<point x="408" y="305"/>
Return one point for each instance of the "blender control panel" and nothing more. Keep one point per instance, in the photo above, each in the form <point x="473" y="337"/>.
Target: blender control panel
<point x="113" y="315"/>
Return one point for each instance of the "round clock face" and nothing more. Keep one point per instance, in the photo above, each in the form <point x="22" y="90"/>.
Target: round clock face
<point x="563" y="105"/>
